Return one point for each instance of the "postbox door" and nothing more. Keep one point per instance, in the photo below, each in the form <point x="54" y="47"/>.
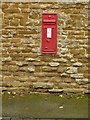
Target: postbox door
<point x="49" y="37"/>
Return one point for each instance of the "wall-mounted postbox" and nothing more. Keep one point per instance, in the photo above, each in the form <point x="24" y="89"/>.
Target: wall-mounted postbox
<point x="49" y="33"/>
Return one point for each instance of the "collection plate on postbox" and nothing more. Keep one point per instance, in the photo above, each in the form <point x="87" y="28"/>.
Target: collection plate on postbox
<point x="49" y="33"/>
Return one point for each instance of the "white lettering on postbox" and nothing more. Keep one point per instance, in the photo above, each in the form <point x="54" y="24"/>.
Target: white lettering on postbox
<point x="49" y="32"/>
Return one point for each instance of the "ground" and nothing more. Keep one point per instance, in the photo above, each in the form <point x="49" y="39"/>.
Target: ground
<point x="44" y="106"/>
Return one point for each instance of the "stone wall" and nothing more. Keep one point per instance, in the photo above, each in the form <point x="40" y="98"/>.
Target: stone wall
<point x="23" y="66"/>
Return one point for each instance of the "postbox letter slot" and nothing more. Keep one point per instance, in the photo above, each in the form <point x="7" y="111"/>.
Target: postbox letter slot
<point x="49" y="21"/>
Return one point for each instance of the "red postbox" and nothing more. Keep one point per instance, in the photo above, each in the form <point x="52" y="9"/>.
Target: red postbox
<point x="49" y="33"/>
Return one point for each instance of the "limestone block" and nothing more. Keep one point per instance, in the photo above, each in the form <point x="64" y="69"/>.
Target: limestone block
<point x="39" y="63"/>
<point x="31" y="68"/>
<point x="77" y="76"/>
<point x="43" y="6"/>
<point x="35" y="6"/>
<point x="63" y="60"/>
<point x="54" y="64"/>
<point x="71" y="70"/>
<point x="51" y="74"/>
<point x="55" y="6"/>
<point x="77" y="64"/>
<point x="74" y="90"/>
<point x="34" y="50"/>
<point x="49" y="69"/>
<point x="33" y="79"/>
<point x="56" y="59"/>
<point x="69" y="56"/>
<point x="68" y="80"/>
<point x="82" y="81"/>
<point x="61" y="69"/>
<point x="15" y="40"/>
<point x="4" y="88"/>
<point x="30" y="55"/>
<point x="55" y="79"/>
<point x="64" y="75"/>
<point x="4" y="68"/>
<point x="37" y="23"/>
<point x="23" y="68"/>
<point x="63" y="85"/>
<point x="24" y="5"/>
<point x="72" y="60"/>
<point x="39" y="74"/>
<point x="18" y="16"/>
<point x="77" y="51"/>
<point x="13" y="68"/>
<point x="21" y="63"/>
<point x="74" y="44"/>
<point x="87" y="91"/>
<point x="11" y="10"/>
<point x="27" y="84"/>
<point x="14" y="22"/>
<point x="13" y="50"/>
<point x="25" y="10"/>
<point x="16" y="84"/>
<point x="30" y="59"/>
<point x="55" y="90"/>
<point x="0" y="77"/>
<point x="23" y="78"/>
<point x="6" y="73"/>
<point x="24" y="19"/>
<point x="43" y="85"/>
<point x="84" y="70"/>
<point x="7" y="78"/>
<point x="34" y="16"/>
<point x="64" y="50"/>
<point x="4" y="6"/>
<point x="8" y="59"/>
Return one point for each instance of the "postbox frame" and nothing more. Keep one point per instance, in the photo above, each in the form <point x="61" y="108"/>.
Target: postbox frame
<point x="55" y="49"/>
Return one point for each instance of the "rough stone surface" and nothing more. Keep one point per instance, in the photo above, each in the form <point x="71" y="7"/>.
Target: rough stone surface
<point x="77" y="64"/>
<point x="71" y="70"/>
<point x="23" y="65"/>
<point x="65" y="1"/>
<point x="64" y="50"/>
<point x="82" y="81"/>
<point x="20" y="63"/>
<point x="30" y="59"/>
<point x="77" y="76"/>
<point x="61" y="69"/>
<point x="42" y="85"/>
<point x="63" y="60"/>
<point x="55" y="90"/>
<point x="54" y="64"/>
<point x="64" y="75"/>
<point x="31" y="69"/>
